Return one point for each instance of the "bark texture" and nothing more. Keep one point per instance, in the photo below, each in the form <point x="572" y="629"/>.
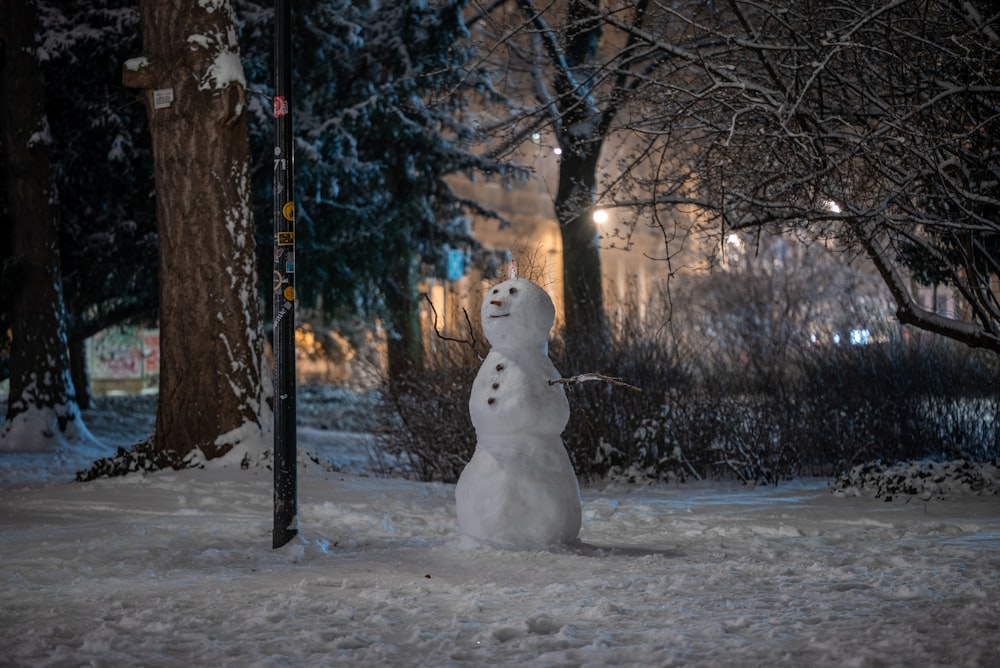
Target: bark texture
<point x="210" y="343"/>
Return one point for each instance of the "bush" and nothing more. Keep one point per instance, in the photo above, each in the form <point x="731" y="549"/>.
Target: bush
<point x="827" y="409"/>
<point x="699" y="434"/>
<point x="143" y="457"/>
<point x="898" y="401"/>
<point x="425" y="431"/>
<point x="925" y="480"/>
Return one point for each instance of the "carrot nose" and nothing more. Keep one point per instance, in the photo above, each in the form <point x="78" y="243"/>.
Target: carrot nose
<point x="496" y="303"/>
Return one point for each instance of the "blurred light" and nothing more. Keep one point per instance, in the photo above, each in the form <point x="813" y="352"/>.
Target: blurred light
<point x="557" y="150"/>
<point x="600" y="216"/>
<point x="536" y="137"/>
<point x="734" y="240"/>
<point x="836" y="338"/>
<point x="832" y="206"/>
<point x="861" y="337"/>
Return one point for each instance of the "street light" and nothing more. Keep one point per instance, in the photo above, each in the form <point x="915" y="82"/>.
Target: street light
<point x="600" y="216"/>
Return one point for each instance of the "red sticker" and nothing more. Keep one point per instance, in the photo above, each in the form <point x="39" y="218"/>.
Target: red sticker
<point x="280" y="106"/>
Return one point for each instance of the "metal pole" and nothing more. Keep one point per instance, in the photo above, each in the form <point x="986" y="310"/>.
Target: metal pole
<point x="286" y="522"/>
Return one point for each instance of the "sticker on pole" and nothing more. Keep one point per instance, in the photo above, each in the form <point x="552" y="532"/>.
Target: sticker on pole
<point x="286" y="238"/>
<point x="288" y="211"/>
<point x="280" y="106"/>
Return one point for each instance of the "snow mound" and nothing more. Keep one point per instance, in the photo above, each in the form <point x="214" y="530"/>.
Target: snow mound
<point x="923" y="479"/>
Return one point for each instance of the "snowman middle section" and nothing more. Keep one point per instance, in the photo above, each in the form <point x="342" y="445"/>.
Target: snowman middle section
<point x="512" y="394"/>
<point x="519" y="488"/>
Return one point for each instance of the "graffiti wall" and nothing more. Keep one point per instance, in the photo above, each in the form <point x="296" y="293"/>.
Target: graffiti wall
<point x="130" y="355"/>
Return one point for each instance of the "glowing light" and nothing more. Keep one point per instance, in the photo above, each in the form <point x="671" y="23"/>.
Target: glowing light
<point x="557" y="150"/>
<point x="536" y="137"/>
<point x="600" y="216"/>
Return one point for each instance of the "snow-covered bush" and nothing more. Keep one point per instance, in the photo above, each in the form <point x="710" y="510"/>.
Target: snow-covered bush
<point x="648" y="462"/>
<point x="898" y="401"/>
<point x="143" y="457"/>
<point x="924" y="480"/>
<point x="832" y="408"/>
<point x="698" y="434"/>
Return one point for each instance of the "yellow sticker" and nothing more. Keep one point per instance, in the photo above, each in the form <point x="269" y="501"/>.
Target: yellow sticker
<point x="290" y="294"/>
<point x="288" y="211"/>
<point x="286" y="238"/>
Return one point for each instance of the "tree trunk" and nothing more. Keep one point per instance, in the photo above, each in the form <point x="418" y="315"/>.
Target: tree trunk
<point x="41" y="408"/>
<point x="405" y="345"/>
<point x="210" y="342"/>
<point x="583" y="298"/>
<point x="581" y="127"/>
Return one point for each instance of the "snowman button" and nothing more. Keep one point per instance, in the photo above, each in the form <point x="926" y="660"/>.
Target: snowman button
<point x="490" y="401"/>
<point x="496" y="385"/>
<point x="499" y="367"/>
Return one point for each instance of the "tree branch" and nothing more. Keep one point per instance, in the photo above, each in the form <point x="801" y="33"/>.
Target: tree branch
<point x="471" y="341"/>
<point x="909" y="312"/>
<point x="584" y="377"/>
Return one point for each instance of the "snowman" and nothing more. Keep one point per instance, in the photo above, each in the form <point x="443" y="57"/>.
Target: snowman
<point x="519" y="488"/>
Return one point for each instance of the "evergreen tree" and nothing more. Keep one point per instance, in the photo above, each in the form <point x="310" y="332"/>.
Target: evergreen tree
<point x="381" y="94"/>
<point x="41" y="409"/>
<point x="100" y="155"/>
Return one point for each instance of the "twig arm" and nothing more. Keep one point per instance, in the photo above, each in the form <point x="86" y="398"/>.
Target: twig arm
<point x="471" y="341"/>
<point x="584" y="377"/>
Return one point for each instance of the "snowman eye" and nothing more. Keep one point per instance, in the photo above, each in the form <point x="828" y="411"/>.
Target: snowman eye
<point x="513" y="291"/>
<point x="495" y="290"/>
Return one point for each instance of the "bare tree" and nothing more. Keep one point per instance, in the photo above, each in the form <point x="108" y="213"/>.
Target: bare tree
<point x="211" y="390"/>
<point x="41" y="411"/>
<point x="568" y="71"/>
<point x="877" y="126"/>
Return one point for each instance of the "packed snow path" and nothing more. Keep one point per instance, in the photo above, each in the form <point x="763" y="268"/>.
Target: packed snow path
<point x="175" y="569"/>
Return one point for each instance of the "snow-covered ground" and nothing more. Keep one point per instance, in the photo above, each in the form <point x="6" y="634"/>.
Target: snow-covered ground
<point x="176" y="569"/>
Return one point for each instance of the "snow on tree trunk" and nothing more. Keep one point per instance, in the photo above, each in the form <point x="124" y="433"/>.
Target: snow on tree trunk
<point x="41" y="412"/>
<point x="78" y="373"/>
<point x="210" y="342"/>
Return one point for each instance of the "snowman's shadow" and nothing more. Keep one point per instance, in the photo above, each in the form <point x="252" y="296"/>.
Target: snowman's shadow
<point x="592" y="550"/>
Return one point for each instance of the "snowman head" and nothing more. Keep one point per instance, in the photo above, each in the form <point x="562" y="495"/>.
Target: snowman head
<point x="517" y="313"/>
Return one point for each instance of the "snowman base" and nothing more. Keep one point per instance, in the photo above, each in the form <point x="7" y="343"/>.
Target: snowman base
<point x="519" y="492"/>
